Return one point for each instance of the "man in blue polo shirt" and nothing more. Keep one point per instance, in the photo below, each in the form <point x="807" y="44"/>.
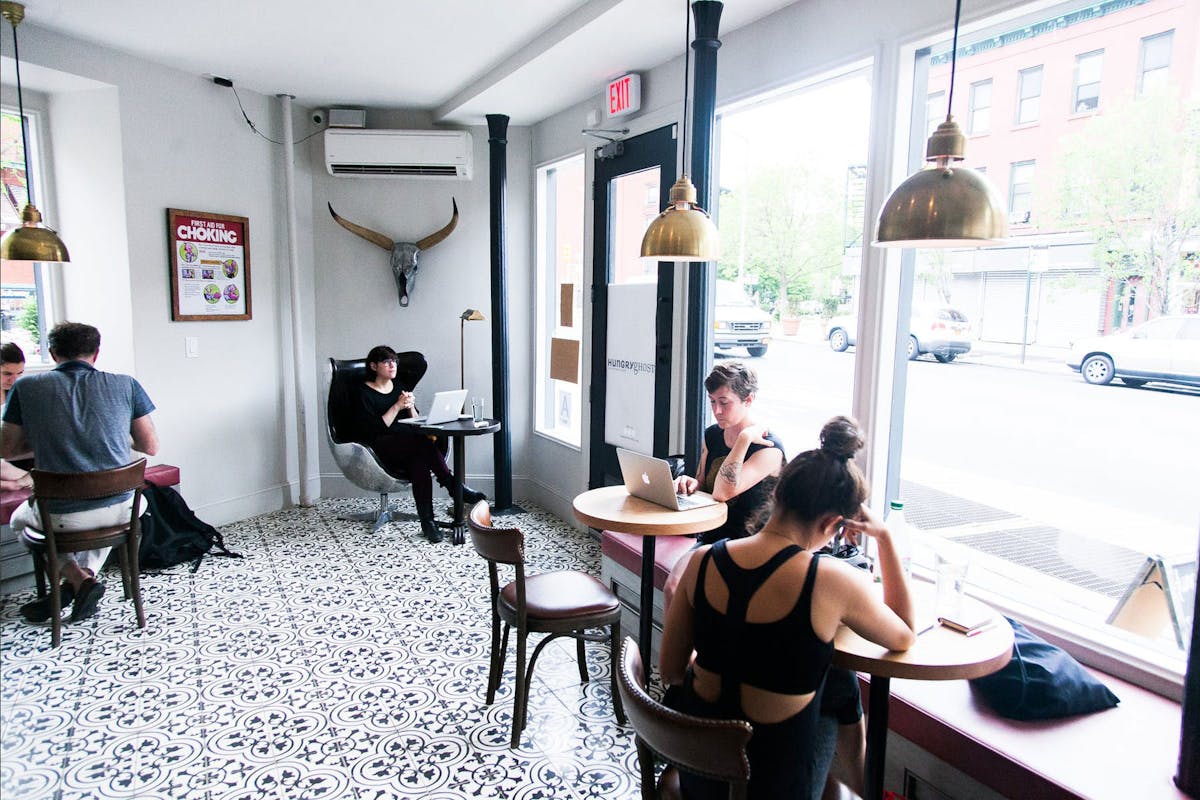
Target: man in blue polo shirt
<point x="76" y="418"/>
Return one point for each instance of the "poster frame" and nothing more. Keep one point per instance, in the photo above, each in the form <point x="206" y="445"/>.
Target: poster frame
<point x="174" y="268"/>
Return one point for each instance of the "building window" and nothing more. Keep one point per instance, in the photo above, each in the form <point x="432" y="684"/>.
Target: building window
<point x="26" y="299"/>
<point x="935" y="112"/>
<point x="1087" y="81"/>
<point x="560" y="216"/>
<point x="1029" y="95"/>
<point x="980" y="117"/>
<point x="1020" y="192"/>
<point x="1156" y="63"/>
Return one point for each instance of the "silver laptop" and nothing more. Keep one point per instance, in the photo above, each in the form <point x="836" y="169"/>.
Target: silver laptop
<point x="650" y="478"/>
<point x="446" y="407"/>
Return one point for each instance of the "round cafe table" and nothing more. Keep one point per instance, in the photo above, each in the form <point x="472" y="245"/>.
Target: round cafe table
<point x="940" y="654"/>
<point x="613" y="508"/>
<point x="458" y="430"/>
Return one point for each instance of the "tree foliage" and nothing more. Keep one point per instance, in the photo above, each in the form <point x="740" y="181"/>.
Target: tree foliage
<point x="1131" y="179"/>
<point x="29" y="319"/>
<point x="791" y="234"/>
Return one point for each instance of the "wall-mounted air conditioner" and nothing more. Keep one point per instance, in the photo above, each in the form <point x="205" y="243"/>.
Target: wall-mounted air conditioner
<point x="398" y="154"/>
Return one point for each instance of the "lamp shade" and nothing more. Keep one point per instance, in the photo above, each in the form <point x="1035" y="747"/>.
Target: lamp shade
<point x="683" y="232"/>
<point x="472" y="315"/>
<point x="945" y="204"/>
<point x="31" y="242"/>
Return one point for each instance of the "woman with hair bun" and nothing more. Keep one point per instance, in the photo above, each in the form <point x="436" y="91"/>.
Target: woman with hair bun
<point x="750" y="632"/>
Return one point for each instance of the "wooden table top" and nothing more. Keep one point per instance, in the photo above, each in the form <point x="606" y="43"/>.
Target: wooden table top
<point x="940" y="654"/>
<point x="455" y="427"/>
<point x="612" y="508"/>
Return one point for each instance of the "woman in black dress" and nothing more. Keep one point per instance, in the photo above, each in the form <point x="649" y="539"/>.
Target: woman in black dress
<point x="375" y="408"/>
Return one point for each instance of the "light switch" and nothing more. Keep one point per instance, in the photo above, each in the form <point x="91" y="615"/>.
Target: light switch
<point x="191" y="346"/>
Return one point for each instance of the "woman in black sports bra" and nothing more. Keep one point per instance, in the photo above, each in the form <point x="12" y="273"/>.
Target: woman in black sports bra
<point x="754" y="639"/>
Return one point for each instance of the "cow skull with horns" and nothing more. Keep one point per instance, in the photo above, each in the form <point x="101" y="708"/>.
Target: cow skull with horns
<point x="404" y="255"/>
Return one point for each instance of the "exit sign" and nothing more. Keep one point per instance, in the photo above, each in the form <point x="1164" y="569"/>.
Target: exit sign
<point x="624" y="95"/>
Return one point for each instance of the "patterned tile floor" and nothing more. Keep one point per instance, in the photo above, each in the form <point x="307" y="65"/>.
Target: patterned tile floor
<point x="327" y="663"/>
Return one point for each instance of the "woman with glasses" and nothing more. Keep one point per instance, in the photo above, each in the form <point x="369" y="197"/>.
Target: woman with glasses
<point x="750" y="632"/>
<point x="374" y="413"/>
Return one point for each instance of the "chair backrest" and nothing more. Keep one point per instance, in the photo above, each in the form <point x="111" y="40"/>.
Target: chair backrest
<point x="88" y="485"/>
<point x="410" y="368"/>
<point x="712" y="748"/>
<point x="498" y="545"/>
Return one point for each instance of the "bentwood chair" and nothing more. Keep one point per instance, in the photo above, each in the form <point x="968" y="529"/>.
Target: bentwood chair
<point x="358" y="462"/>
<point x="710" y="748"/>
<point x="560" y="603"/>
<point x="47" y="544"/>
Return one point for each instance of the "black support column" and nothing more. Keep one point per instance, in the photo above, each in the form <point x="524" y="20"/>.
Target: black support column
<point x="502" y="442"/>
<point x="701" y="283"/>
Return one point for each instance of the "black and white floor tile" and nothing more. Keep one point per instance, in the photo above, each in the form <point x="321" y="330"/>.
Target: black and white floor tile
<point x="329" y="662"/>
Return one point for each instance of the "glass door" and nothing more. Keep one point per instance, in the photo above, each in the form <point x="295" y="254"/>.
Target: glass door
<point x="632" y="303"/>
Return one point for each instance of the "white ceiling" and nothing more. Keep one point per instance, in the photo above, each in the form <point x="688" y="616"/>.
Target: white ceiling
<point x="458" y="59"/>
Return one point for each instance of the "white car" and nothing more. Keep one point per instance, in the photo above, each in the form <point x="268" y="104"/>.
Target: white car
<point x="739" y="322"/>
<point x="1166" y="349"/>
<point x="940" y="330"/>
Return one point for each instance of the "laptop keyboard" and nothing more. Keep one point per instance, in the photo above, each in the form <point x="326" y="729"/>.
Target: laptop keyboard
<point x="686" y="501"/>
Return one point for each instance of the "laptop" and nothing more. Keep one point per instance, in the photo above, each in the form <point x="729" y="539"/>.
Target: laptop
<point x="444" y="408"/>
<point x="650" y="478"/>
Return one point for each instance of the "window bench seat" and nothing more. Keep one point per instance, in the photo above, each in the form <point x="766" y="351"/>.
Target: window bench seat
<point x="1128" y="751"/>
<point x="16" y="567"/>
<point x="621" y="569"/>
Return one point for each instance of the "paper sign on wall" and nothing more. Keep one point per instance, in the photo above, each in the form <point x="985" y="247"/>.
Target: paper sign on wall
<point x="629" y="394"/>
<point x="566" y="305"/>
<point x="564" y="360"/>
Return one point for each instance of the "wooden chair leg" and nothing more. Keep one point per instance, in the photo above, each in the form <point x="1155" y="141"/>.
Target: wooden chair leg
<point x="123" y="557"/>
<point x="135" y="581"/>
<point x="581" y="658"/>
<point x="520" y="696"/>
<point x="614" y="645"/>
<point x="646" y="767"/>
<point x="55" y="579"/>
<point x="496" y="665"/>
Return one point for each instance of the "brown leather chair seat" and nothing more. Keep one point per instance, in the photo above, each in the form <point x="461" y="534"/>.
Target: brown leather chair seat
<point x="561" y="595"/>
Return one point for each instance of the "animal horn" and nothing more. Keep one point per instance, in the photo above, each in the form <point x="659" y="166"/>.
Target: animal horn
<point x="433" y="238"/>
<point x="366" y="233"/>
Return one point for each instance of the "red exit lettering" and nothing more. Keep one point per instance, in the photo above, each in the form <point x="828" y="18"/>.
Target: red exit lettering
<point x="624" y="95"/>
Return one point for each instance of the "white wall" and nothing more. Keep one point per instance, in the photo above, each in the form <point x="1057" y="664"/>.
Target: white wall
<point x="357" y="298"/>
<point x="147" y="139"/>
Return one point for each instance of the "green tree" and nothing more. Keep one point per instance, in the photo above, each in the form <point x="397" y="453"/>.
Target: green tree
<point x="29" y="320"/>
<point x="792" y="229"/>
<point x="1130" y="179"/>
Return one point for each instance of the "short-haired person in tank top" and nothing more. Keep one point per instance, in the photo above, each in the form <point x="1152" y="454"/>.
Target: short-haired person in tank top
<point x="750" y="632"/>
<point x="739" y="459"/>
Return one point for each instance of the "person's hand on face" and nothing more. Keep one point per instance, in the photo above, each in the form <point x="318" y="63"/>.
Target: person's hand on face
<point x="866" y="523"/>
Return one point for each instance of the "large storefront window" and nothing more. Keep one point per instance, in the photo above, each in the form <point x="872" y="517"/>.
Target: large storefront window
<point x="560" y="198"/>
<point x="1048" y="422"/>
<point x="26" y="301"/>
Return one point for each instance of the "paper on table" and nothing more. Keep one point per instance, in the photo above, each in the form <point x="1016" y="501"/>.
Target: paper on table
<point x="968" y="619"/>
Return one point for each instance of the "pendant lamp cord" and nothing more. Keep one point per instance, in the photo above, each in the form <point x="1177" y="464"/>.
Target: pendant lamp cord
<point x="953" y="58"/>
<point x="21" y="112"/>
<point x="687" y="82"/>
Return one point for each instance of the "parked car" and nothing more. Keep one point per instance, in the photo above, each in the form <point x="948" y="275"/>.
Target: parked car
<point x="739" y="321"/>
<point x="1166" y="349"/>
<point x="943" y="331"/>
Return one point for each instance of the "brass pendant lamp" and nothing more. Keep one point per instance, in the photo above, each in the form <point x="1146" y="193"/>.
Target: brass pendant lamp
<point x="31" y="242"/>
<point x="944" y="204"/>
<point x="683" y="231"/>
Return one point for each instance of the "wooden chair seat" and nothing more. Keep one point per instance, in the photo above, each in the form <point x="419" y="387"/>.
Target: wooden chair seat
<point x="561" y="603"/>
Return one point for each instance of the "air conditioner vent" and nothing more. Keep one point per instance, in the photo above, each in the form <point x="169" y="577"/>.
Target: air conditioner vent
<point x="398" y="154"/>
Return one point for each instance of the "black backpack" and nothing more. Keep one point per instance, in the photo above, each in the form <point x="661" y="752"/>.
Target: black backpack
<point x="173" y="534"/>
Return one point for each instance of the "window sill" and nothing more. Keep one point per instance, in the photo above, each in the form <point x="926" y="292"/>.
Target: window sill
<point x="559" y="441"/>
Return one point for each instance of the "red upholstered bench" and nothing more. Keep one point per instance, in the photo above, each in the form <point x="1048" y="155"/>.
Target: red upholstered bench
<point x="1124" y="752"/>
<point x="626" y="550"/>
<point x="159" y="474"/>
<point x="621" y="569"/>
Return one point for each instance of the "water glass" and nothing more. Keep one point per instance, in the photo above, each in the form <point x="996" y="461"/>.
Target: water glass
<point x="477" y="409"/>
<point x="951" y="569"/>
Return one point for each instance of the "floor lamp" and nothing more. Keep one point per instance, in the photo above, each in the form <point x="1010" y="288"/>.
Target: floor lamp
<point x="470" y="315"/>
